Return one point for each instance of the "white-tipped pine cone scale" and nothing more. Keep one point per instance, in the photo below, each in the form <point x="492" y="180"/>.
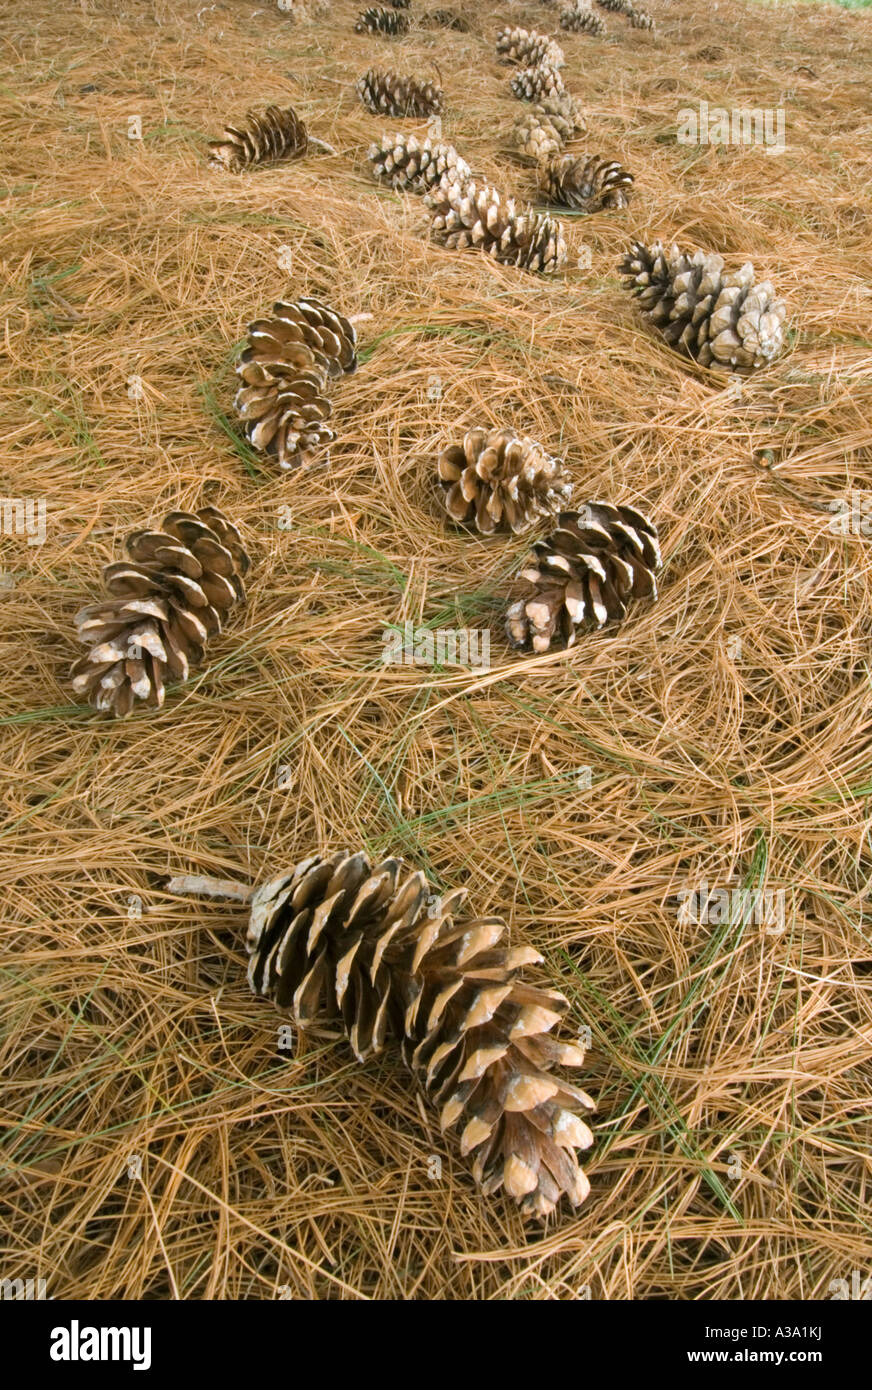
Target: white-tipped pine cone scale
<point x="285" y="369"/>
<point x="720" y="319"/>
<point x="341" y="938"/>
<point x="167" y="599"/>
<point x="465" y="215"/>
<point x="497" y="480"/>
<point x="408" y="163"/>
<point x="584" y="574"/>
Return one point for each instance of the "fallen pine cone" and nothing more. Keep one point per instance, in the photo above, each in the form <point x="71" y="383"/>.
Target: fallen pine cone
<point x="586" y="571"/>
<point x="284" y="372"/>
<point x="721" y="320"/>
<point x="587" y="183"/>
<point x="465" y="215"/>
<point x="529" y="48"/>
<point x="382" y="21"/>
<point x="410" y="164"/>
<point x="499" y="480"/>
<point x="389" y="94"/>
<point x="532" y="84"/>
<point x="168" y="598"/>
<point x="276" y="135"/>
<point x="339" y="938"/>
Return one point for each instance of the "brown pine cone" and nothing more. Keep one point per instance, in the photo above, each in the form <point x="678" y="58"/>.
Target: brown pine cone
<point x="389" y="94"/>
<point x="381" y="21"/>
<point x="167" y="600"/>
<point x="277" y="134"/>
<point x="498" y="480"/>
<point x="640" y="19"/>
<point x="465" y="215"/>
<point x="536" y="137"/>
<point x="588" y="183"/>
<point x="721" y="320"/>
<point x="414" y="165"/>
<point x="586" y="571"/>
<point x="285" y="370"/>
<point x="340" y="938"/>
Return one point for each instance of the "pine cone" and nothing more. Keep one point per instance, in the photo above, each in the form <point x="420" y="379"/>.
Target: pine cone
<point x="465" y="215"/>
<point x="587" y="183"/>
<point x="306" y="10"/>
<point x="408" y="164"/>
<point x="580" y="19"/>
<point x="498" y="480"/>
<point x="529" y="47"/>
<point x="400" y="4"/>
<point x="718" y="319"/>
<point x="382" y="21"/>
<point x="618" y="6"/>
<point x="532" y="84"/>
<point x="640" y="19"/>
<point x="444" y="19"/>
<point x="167" y="600"/>
<point x="586" y="571"/>
<point x="340" y="938"/>
<point x="285" y="370"/>
<point x="564" y="112"/>
<point x="277" y="134"/>
<point x="388" y="94"/>
<point x="536" y="137"/>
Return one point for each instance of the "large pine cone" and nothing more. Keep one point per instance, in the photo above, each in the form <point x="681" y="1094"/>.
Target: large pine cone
<point x="586" y="571"/>
<point x="718" y="319"/>
<point x="167" y="600"/>
<point x="580" y="19"/>
<point x="528" y="47"/>
<point x="409" y="164"/>
<point x="389" y="94"/>
<point x="340" y="938"/>
<point x="498" y="480"/>
<point x="285" y="370"/>
<point x="588" y="183"/>
<point x="532" y="84"/>
<point x="278" y="134"/>
<point x="465" y="215"/>
<point x="382" y="21"/>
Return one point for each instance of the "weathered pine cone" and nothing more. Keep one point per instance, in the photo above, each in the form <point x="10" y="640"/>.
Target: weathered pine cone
<point x="536" y="137"/>
<point x="532" y="84"/>
<point x="529" y="48"/>
<point x="587" y="183"/>
<point x="408" y="163"/>
<point x="580" y="19"/>
<point x="172" y="594"/>
<point x="340" y="938"/>
<point x="465" y="215"/>
<point x="640" y="19"/>
<point x="498" y="480"/>
<point x="719" y="319"/>
<point x="382" y="21"/>
<point x="585" y="572"/>
<point x="284" y="372"/>
<point x="389" y="94"/>
<point x="277" y="134"/>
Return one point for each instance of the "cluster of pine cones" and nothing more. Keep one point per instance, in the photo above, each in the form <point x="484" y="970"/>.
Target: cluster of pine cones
<point x="337" y="936"/>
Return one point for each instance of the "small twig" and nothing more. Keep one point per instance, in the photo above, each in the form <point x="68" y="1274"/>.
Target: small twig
<point x="791" y="491"/>
<point x="199" y="885"/>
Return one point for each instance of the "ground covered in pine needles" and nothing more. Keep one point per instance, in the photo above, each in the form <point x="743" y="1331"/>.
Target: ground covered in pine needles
<point x="159" y="1142"/>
